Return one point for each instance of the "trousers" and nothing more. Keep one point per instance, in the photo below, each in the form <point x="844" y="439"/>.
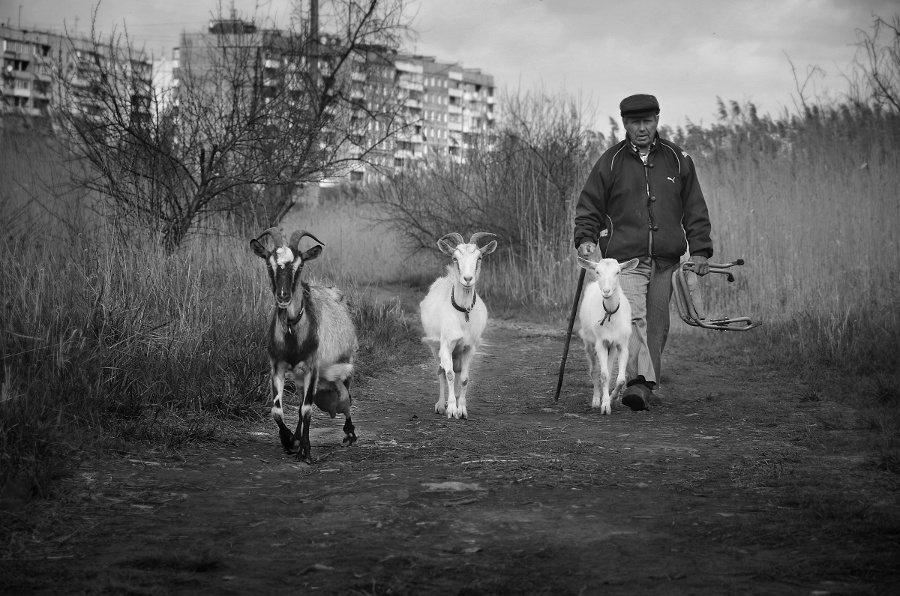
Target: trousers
<point x="648" y="288"/>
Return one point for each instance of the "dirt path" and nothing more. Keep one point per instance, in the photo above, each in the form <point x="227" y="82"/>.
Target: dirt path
<point x="707" y="494"/>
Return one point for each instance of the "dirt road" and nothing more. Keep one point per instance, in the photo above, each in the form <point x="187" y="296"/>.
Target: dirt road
<point x="729" y="487"/>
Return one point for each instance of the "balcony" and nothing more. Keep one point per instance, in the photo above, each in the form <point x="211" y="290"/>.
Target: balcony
<point x="411" y="86"/>
<point x="410" y="140"/>
<point x="403" y="66"/>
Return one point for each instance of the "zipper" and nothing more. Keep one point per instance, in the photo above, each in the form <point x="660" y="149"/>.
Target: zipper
<point x="649" y="202"/>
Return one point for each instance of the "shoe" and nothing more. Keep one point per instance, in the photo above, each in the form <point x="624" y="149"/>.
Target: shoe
<point x="637" y="397"/>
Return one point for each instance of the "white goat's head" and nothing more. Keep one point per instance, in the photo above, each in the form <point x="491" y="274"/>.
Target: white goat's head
<point x="284" y="262"/>
<point x="606" y="273"/>
<point x="466" y="256"/>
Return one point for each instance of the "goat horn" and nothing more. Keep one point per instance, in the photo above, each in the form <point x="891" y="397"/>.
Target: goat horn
<point x="294" y="244"/>
<point x="478" y="235"/>
<point x="274" y="234"/>
<point x="456" y="236"/>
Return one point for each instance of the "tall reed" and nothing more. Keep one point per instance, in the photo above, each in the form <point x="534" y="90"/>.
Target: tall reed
<point x="106" y="338"/>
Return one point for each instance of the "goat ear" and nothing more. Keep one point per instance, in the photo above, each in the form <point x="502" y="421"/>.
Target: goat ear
<point x="260" y="250"/>
<point x="312" y="253"/>
<point x="489" y="247"/>
<point x="585" y="264"/>
<point x="628" y="265"/>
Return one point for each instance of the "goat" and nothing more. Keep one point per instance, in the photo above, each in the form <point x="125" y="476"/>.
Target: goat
<point x="605" y="318"/>
<point x="311" y="337"/>
<point x="453" y="319"/>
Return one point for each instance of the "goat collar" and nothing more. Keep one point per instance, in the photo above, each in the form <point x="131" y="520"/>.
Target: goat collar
<point x="609" y="313"/>
<point x="460" y="308"/>
<point x="291" y="321"/>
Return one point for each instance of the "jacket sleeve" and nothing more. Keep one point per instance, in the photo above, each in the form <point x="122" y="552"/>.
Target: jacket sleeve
<point x="697" y="227"/>
<point x="590" y="211"/>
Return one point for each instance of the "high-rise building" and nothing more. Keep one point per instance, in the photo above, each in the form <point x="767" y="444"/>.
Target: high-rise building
<point x="445" y="108"/>
<point x="30" y="57"/>
<point x="458" y="106"/>
<point x="25" y="81"/>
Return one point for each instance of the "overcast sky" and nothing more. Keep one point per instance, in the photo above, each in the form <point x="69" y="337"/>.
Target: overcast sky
<point x="686" y="52"/>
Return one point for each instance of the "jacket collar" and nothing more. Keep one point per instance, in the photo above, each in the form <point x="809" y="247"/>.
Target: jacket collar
<point x="653" y="144"/>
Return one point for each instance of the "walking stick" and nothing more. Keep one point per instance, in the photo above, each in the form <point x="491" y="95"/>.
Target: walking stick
<point x="562" y="365"/>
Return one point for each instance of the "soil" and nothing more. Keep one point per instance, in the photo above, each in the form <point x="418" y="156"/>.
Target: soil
<point x="723" y="488"/>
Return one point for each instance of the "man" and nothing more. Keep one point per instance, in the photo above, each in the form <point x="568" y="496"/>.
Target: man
<point x="642" y="199"/>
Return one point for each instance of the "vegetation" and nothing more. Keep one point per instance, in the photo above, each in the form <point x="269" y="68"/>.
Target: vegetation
<point x="104" y="344"/>
<point x="252" y="119"/>
<point x="110" y="335"/>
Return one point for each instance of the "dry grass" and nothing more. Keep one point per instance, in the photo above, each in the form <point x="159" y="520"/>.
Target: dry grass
<point x="107" y="340"/>
<point x="109" y="334"/>
<point x="357" y="248"/>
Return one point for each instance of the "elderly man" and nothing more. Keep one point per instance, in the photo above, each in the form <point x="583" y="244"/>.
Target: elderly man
<point x="642" y="199"/>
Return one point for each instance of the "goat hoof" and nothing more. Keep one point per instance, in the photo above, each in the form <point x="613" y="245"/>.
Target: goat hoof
<point x="349" y="439"/>
<point x="287" y="439"/>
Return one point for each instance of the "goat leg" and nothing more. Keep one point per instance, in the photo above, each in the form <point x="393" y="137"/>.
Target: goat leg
<point x="284" y="433"/>
<point x="349" y="429"/>
<point x="309" y="392"/>
<point x="466" y="357"/>
<point x="622" y="361"/>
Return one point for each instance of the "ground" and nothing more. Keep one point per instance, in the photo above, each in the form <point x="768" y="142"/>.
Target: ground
<point x="730" y="486"/>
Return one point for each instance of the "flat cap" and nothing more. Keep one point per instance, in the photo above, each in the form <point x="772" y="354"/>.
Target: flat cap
<point x="639" y="105"/>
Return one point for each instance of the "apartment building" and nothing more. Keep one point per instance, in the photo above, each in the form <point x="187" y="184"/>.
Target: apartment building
<point x="448" y="109"/>
<point x="445" y="107"/>
<point x="459" y="106"/>
<point x="30" y="57"/>
<point x="25" y="81"/>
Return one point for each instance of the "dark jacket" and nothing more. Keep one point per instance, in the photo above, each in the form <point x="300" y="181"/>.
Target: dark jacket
<point x="656" y="210"/>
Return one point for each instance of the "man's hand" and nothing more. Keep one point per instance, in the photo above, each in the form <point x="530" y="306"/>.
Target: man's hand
<point x="586" y="249"/>
<point x="701" y="264"/>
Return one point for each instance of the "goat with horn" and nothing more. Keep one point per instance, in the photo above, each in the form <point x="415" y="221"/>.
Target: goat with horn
<point x="311" y="338"/>
<point x="454" y="317"/>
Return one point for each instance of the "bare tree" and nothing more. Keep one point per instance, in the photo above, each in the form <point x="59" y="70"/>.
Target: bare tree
<point x="256" y="113"/>
<point x="520" y="183"/>
<point x="878" y="57"/>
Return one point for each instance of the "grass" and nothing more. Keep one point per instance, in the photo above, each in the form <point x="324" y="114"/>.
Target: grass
<point x="107" y="340"/>
<point x="356" y="248"/>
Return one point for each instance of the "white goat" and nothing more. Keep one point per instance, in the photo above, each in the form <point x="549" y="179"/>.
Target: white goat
<point x="454" y="318"/>
<point x="311" y="337"/>
<point x="605" y="318"/>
